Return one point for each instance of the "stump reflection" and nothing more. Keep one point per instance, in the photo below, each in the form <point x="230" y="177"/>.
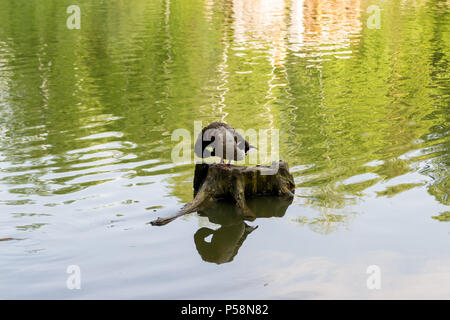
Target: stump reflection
<point x="229" y="237"/>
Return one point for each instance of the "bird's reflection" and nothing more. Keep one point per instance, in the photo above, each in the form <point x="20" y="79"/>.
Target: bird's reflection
<point x="225" y="242"/>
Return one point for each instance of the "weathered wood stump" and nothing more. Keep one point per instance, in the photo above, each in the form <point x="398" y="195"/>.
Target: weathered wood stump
<point x="213" y="182"/>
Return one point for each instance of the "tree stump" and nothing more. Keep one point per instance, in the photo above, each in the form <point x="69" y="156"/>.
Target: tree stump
<point x="213" y="182"/>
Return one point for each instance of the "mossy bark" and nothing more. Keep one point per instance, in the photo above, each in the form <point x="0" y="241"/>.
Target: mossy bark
<point x="213" y="182"/>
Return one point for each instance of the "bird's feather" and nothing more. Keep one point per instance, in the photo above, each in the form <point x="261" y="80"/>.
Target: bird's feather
<point x="225" y="141"/>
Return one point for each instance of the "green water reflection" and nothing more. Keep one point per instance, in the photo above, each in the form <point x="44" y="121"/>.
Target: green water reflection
<point x="134" y="73"/>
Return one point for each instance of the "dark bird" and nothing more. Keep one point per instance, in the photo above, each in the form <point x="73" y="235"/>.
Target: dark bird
<point x="225" y="142"/>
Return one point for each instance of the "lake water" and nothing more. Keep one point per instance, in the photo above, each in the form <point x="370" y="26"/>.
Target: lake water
<point x="86" y="118"/>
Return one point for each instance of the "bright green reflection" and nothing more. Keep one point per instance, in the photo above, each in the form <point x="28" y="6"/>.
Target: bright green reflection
<point x="355" y="106"/>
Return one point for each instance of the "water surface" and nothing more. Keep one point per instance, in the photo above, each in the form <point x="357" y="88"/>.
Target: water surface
<point x="86" y="118"/>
